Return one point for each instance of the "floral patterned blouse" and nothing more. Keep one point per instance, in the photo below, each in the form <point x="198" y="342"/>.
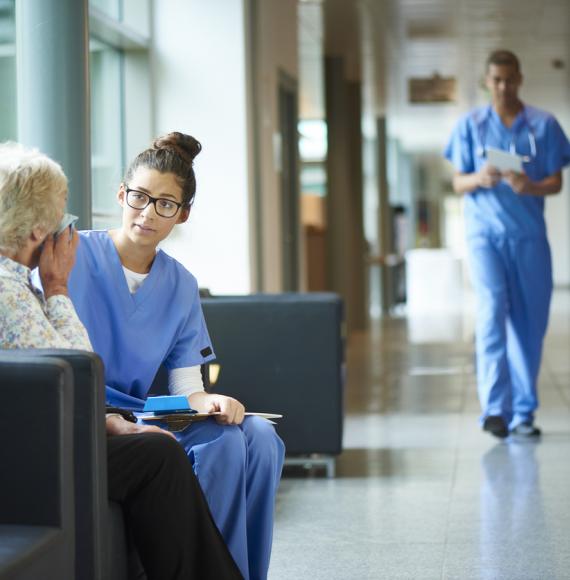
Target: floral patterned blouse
<point x="28" y="320"/>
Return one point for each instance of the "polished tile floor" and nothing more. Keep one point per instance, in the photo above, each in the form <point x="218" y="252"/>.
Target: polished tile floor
<point x="421" y="493"/>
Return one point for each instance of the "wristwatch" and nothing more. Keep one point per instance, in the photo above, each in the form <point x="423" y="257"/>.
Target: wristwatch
<point x="127" y="415"/>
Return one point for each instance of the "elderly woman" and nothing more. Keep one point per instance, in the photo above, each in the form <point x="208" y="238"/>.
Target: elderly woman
<point x="148" y="471"/>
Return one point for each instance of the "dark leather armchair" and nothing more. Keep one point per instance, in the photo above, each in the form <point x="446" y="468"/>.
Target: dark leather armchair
<point x="102" y="550"/>
<point x="37" y="535"/>
<point x="284" y="353"/>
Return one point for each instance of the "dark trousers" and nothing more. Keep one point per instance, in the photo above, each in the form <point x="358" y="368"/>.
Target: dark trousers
<point x="165" y="510"/>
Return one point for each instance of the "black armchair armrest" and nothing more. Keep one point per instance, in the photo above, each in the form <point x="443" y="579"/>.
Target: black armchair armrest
<point x="90" y="457"/>
<point x="36" y="483"/>
<point x="292" y="362"/>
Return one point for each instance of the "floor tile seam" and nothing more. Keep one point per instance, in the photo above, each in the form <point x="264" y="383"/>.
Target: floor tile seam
<point x="453" y="483"/>
<point x="551" y="377"/>
<point x="465" y="392"/>
<point x="368" y="542"/>
<point x="507" y="548"/>
<point x="559" y="389"/>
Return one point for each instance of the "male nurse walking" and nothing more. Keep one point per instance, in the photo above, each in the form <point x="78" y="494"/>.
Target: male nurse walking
<point x="507" y="244"/>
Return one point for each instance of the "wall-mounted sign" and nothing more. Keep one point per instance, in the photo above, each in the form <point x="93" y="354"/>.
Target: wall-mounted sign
<point x="433" y="89"/>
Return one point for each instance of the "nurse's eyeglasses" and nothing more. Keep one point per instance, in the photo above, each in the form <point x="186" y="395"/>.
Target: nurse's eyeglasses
<point x="165" y="208"/>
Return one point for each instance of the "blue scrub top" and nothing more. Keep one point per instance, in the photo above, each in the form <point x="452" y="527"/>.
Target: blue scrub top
<point x="161" y="323"/>
<point x="501" y="211"/>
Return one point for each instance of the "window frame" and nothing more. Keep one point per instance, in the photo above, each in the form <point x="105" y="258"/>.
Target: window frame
<point x="129" y="36"/>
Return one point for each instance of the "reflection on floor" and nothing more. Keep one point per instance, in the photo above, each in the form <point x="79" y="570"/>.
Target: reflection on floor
<point x="420" y="492"/>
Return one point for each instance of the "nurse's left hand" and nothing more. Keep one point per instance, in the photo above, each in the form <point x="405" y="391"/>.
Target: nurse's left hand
<point x="519" y="182"/>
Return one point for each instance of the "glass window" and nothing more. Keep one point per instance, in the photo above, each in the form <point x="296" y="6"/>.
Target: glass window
<point x="121" y="95"/>
<point x="8" y="123"/>
<point x="112" y="8"/>
<point x="313" y="154"/>
<point x="106" y="132"/>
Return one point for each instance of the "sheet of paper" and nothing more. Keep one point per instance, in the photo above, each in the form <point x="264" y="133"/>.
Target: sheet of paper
<point x="177" y="422"/>
<point x="198" y="416"/>
<point x="264" y="415"/>
<point x="504" y="161"/>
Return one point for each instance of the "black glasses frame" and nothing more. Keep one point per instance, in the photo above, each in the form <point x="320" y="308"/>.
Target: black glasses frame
<point x="153" y="200"/>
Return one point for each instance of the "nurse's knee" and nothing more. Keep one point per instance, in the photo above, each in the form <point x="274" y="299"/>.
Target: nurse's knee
<point x="263" y="439"/>
<point x="492" y="310"/>
<point x="233" y="443"/>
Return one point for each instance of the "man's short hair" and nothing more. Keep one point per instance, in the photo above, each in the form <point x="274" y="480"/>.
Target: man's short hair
<point x="503" y="58"/>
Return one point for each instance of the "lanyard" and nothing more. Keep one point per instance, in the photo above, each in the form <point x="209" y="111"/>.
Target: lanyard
<point x="484" y="126"/>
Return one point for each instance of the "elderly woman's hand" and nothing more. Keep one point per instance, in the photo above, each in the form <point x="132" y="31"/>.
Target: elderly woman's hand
<point x="116" y="425"/>
<point x="56" y="262"/>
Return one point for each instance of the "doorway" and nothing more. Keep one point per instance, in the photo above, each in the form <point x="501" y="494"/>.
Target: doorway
<point x="288" y="154"/>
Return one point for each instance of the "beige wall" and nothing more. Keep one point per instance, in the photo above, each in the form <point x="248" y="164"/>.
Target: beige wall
<point x="201" y="89"/>
<point x="227" y="93"/>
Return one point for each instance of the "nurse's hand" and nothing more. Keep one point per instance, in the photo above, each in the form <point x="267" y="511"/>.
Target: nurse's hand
<point x="56" y="261"/>
<point x="519" y="182"/>
<point x="488" y="176"/>
<point x="116" y="425"/>
<point x="230" y="409"/>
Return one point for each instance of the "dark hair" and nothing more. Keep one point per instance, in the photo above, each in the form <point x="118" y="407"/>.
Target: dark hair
<point x="504" y="58"/>
<point x="171" y="153"/>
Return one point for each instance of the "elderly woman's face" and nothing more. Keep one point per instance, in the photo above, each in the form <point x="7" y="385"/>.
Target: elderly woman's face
<point x="60" y="203"/>
<point x="41" y="232"/>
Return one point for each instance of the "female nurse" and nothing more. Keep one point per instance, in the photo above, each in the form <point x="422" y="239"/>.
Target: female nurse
<point x="142" y="310"/>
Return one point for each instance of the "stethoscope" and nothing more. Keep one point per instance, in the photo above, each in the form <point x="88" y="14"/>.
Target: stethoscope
<point x="482" y="130"/>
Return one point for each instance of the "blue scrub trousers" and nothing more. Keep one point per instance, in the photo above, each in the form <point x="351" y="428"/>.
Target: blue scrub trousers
<point x="512" y="278"/>
<point x="239" y="468"/>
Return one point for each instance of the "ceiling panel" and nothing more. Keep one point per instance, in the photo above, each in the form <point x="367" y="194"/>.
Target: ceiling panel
<point x="455" y="37"/>
<point x="447" y="37"/>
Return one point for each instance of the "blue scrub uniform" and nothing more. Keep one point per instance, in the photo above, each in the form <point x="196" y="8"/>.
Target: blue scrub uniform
<point x="509" y="256"/>
<point x="238" y="467"/>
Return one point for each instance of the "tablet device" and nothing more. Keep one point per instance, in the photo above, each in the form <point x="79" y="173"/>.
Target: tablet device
<point x="504" y="161"/>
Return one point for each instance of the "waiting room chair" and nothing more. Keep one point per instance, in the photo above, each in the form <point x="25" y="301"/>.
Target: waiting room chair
<point x="284" y="353"/>
<point x="37" y="531"/>
<point x="102" y="547"/>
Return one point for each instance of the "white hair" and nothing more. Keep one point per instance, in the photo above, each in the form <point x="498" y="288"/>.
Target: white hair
<point x="31" y="184"/>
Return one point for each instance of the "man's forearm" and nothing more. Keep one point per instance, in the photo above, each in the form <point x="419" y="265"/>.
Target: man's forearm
<point x="465" y="182"/>
<point x="548" y="186"/>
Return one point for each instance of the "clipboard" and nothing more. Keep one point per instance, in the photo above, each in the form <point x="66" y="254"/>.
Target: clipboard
<point x="176" y="422"/>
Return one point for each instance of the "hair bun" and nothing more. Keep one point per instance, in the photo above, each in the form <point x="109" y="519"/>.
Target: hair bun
<point x="183" y="145"/>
